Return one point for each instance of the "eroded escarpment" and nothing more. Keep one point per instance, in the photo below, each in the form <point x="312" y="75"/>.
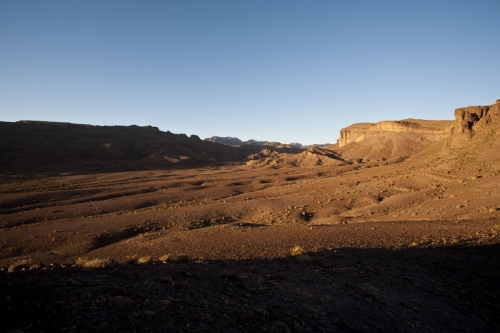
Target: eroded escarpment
<point x="415" y="129"/>
<point x="473" y="120"/>
<point x="473" y="125"/>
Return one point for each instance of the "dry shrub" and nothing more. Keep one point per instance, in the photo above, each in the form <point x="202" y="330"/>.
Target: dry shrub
<point x="164" y="257"/>
<point x="18" y="265"/>
<point x="94" y="263"/>
<point x="131" y="259"/>
<point x="297" y="250"/>
<point x="144" y="260"/>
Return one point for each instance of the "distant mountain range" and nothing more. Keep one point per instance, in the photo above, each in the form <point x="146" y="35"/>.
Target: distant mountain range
<point x="235" y="142"/>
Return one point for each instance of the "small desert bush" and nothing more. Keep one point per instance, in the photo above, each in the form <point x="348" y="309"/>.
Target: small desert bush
<point x="94" y="263"/>
<point x="164" y="257"/>
<point x="18" y="264"/>
<point x="144" y="260"/>
<point x="131" y="259"/>
<point x="297" y="250"/>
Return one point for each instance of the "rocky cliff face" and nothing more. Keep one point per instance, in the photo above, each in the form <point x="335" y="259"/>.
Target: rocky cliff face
<point x="410" y="128"/>
<point x="473" y="125"/>
<point x="470" y="121"/>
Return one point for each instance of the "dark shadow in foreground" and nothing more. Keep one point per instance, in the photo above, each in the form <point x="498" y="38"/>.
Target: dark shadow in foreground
<point x="446" y="289"/>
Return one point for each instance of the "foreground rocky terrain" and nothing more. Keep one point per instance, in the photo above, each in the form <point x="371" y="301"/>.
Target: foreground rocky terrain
<point x="421" y="288"/>
<point x="391" y="233"/>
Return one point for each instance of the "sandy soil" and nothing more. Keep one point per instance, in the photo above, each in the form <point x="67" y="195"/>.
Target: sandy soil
<point x="380" y="247"/>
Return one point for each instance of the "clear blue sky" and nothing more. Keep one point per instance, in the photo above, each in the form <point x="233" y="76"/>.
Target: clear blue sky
<point x="289" y="71"/>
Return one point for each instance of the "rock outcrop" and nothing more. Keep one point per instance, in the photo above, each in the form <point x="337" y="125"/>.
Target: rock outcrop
<point x="276" y="146"/>
<point x="473" y="125"/>
<point x="419" y="129"/>
<point x="470" y="121"/>
<point x="314" y="156"/>
<point x="390" y="140"/>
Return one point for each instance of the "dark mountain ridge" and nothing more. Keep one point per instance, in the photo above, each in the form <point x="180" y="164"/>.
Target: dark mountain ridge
<point x="37" y="146"/>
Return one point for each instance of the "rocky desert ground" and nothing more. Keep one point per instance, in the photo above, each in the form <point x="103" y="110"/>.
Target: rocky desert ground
<point x="126" y="229"/>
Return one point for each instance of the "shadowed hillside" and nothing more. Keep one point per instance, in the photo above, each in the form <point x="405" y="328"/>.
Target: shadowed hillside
<point x="31" y="147"/>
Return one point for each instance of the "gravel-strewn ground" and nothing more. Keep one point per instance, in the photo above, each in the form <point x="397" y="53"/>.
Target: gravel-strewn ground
<point x="450" y="288"/>
<point x="403" y="247"/>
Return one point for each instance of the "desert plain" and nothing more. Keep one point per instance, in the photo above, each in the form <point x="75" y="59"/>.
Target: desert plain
<point x="126" y="229"/>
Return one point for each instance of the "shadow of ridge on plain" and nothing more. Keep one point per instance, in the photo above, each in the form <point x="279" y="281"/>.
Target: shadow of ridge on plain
<point x="446" y="289"/>
<point x="27" y="171"/>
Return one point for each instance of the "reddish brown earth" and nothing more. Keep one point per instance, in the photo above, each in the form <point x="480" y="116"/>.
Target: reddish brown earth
<point x="404" y="243"/>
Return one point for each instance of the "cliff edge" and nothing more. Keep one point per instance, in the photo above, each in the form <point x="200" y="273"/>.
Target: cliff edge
<point x="471" y="121"/>
<point x="386" y="140"/>
<point x="417" y="129"/>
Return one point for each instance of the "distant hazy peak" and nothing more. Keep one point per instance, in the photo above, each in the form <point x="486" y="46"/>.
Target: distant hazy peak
<point x="228" y="141"/>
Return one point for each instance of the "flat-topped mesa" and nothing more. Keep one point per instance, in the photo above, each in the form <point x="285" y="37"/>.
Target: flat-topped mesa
<point x="429" y="129"/>
<point x="470" y="120"/>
